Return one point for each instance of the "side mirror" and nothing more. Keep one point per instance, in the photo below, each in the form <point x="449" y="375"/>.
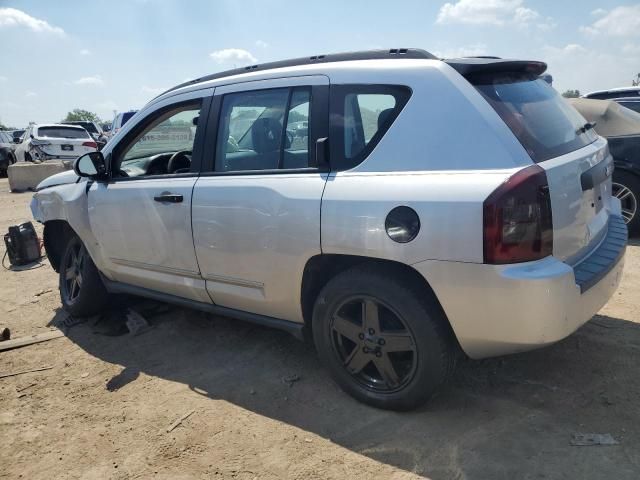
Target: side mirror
<point x="90" y="165"/>
<point x="17" y="139"/>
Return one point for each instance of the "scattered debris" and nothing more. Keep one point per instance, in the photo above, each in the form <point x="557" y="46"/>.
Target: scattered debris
<point x="70" y="321"/>
<point x="84" y="375"/>
<point x="43" y="292"/>
<point x="136" y="323"/>
<point x="30" y="340"/>
<point x="178" y="422"/>
<point x="5" y="335"/>
<point x="14" y="374"/>
<point x="588" y="439"/>
<point x="22" y="389"/>
<point x="291" y="379"/>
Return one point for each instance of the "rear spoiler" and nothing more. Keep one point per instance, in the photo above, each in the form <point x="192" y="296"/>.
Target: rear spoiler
<point x="479" y="65"/>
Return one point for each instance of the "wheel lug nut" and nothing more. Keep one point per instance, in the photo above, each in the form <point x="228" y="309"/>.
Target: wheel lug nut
<point x="372" y="331"/>
<point x="381" y="342"/>
<point x="378" y="354"/>
<point x="365" y="349"/>
<point x="361" y="336"/>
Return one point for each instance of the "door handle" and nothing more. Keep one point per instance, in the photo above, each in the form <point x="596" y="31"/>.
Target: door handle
<point x="168" y="197"/>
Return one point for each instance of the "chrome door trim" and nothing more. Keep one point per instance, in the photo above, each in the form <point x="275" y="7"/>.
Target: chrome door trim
<point x="234" y="281"/>
<point x="156" y="268"/>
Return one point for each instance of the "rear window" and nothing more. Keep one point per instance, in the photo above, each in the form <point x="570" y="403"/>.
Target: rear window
<point x="62" y="132"/>
<point x="546" y="125"/>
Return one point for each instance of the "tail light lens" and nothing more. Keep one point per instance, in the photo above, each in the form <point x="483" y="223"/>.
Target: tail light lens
<point x="518" y="226"/>
<point x="90" y="144"/>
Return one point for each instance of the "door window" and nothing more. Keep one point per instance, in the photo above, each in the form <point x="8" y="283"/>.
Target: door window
<point x="264" y="130"/>
<point x="163" y="146"/>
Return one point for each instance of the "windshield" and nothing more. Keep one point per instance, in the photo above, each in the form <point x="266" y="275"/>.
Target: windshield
<point x="62" y="132"/>
<point x="4" y="137"/>
<point x="546" y="124"/>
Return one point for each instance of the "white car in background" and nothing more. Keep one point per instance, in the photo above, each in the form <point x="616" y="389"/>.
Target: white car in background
<point x="54" y="142"/>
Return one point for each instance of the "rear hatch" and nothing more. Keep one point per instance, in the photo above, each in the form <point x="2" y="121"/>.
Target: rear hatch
<point x="64" y="141"/>
<point x="576" y="160"/>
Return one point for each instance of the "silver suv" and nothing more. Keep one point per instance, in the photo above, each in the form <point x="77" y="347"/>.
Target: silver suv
<point x="429" y="206"/>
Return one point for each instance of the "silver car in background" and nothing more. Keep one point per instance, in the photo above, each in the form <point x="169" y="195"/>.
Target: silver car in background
<point x="429" y="207"/>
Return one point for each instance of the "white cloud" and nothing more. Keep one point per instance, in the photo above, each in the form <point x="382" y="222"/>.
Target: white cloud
<point x="487" y="12"/>
<point x="152" y="90"/>
<point x="462" y="51"/>
<point x="12" y="17"/>
<point x="598" y="12"/>
<point x="30" y="94"/>
<point x="233" y="55"/>
<point x="95" y="80"/>
<point x="620" y="22"/>
<point x="261" y="44"/>
<point x="84" y="51"/>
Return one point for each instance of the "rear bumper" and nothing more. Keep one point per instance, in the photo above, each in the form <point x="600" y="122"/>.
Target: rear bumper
<point x="501" y="309"/>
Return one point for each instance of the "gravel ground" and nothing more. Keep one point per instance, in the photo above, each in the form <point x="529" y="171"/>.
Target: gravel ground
<point x="261" y="406"/>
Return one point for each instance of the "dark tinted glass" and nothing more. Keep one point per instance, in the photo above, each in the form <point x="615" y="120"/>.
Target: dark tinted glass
<point x="62" y="132"/>
<point x="544" y="122"/>
<point x="635" y="106"/>
<point x="126" y="116"/>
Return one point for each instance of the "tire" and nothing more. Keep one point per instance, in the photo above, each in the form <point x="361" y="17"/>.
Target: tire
<point x="27" y="157"/>
<point x="406" y="320"/>
<point x="82" y="292"/>
<point x="626" y="186"/>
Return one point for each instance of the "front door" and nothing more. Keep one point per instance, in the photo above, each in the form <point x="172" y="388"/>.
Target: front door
<point x="142" y="217"/>
<point x="256" y="213"/>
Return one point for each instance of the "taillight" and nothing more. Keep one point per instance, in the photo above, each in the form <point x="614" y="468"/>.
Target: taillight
<point x="90" y="144"/>
<point x="518" y="226"/>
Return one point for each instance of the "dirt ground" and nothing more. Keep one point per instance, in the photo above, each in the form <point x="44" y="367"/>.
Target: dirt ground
<point x="263" y="407"/>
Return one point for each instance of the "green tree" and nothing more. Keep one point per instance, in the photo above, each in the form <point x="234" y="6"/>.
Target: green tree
<point x="78" y="114"/>
<point x="571" y="94"/>
<point x="636" y="81"/>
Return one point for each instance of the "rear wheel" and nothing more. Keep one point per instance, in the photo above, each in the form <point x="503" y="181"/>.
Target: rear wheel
<point x="382" y="342"/>
<point x="626" y="187"/>
<point x="27" y="157"/>
<point x="81" y="290"/>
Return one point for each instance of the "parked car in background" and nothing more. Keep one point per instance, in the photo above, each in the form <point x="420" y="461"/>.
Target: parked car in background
<point x="94" y="129"/>
<point x="621" y="127"/>
<point x="628" y="97"/>
<point x="17" y="135"/>
<point x="432" y="205"/>
<point x="7" y="156"/>
<point x="119" y="120"/>
<point x="54" y="142"/>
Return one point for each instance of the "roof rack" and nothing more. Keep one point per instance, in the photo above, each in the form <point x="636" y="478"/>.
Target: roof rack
<point x="393" y="53"/>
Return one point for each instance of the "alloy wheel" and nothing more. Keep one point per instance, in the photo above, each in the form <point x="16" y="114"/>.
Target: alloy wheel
<point x="628" y="201"/>
<point x="73" y="271"/>
<point x="374" y="344"/>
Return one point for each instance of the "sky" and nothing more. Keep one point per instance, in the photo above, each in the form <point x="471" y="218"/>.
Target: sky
<point x="106" y="55"/>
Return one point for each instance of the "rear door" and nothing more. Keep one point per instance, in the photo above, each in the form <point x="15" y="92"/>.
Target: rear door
<point x="256" y="206"/>
<point x="556" y="137"/>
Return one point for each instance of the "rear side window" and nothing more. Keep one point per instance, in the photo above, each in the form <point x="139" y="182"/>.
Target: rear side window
<point x="360" y="116"/>
<point x="635" y="106"/>
<point x="546" y="125"/>
<point x="264" y="130"/>
<point x="62" y="132"/>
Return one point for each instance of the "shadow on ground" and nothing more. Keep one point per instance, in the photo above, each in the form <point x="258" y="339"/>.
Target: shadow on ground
<point x="510" y="417"/>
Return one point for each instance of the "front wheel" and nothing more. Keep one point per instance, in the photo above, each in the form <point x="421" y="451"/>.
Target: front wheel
<point x="81" y="290"/>
<point x="626" y="187"/>
<point x="382" y="341"/>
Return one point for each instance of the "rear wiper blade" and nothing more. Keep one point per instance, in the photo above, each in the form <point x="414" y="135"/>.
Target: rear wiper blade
<point x="585" y="127"/>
